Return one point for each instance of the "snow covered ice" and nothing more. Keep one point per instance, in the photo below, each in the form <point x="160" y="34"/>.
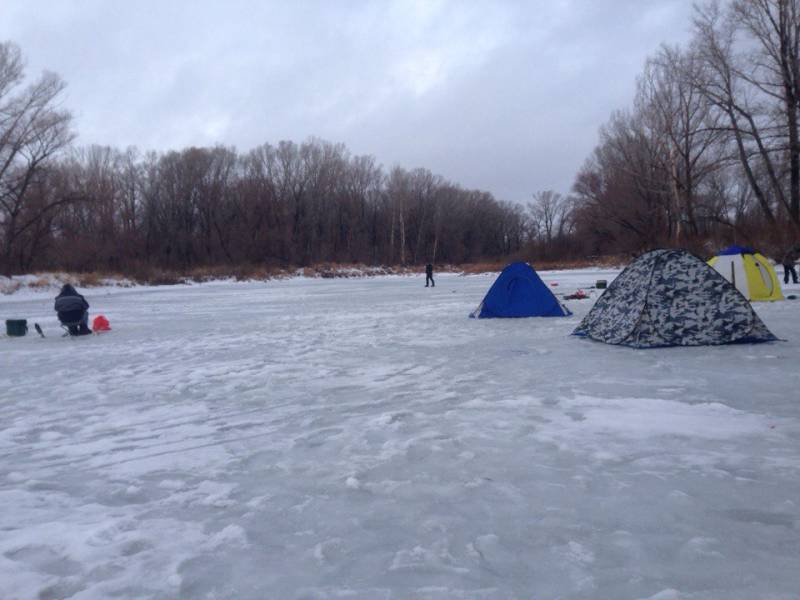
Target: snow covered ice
<point x="364" y="439"/>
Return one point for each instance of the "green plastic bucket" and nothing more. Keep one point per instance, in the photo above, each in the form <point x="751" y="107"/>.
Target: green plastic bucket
<point x="16" y="327"/>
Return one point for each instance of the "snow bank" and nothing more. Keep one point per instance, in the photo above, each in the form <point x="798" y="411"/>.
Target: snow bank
<point x="52" y="282"/>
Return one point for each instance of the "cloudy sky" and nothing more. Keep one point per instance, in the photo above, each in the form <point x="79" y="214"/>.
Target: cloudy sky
<point x="501" y="96"/>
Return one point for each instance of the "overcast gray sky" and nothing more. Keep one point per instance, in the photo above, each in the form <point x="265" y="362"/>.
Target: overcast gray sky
<point x="500" y="96"/>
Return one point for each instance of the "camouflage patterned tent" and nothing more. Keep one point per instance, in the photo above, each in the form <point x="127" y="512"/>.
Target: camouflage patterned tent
<point x="672" y="298"/>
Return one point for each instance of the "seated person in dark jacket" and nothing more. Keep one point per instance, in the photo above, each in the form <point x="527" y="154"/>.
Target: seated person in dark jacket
<point x="72" y="311"/>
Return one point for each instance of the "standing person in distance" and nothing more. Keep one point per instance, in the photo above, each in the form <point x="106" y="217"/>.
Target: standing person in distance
<point x="788" y="261"/>
<point x="429" y="275"/>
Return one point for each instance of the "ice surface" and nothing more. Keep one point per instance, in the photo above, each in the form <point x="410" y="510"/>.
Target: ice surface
<point x="364" y="439"/>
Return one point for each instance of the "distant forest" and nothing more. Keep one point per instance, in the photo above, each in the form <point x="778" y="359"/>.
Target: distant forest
<point x="708" y="153"/>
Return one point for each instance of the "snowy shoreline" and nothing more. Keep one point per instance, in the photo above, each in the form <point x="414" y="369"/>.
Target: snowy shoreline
<point x="45" y="284"/>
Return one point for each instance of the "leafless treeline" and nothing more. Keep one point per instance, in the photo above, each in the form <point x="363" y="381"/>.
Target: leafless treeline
<point x="289" y="204"/>
<point x="709" y="152"/>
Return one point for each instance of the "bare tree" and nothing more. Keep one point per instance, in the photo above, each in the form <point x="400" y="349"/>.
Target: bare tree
<point x="748" y="57"/>
<point x="683" y="123"/>
<point x="773" y="68"/>
<point x="547" y="212"/>
<point x="32" y="130"/>
<point x="398" y="189"/>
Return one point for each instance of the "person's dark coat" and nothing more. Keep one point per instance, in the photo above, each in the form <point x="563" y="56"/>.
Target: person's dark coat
<point x="72" y="310"/>
<point x="429" y="275"/>
<point x="788" y="265"/>
<point x="791" y="256"/>
<point x="69" y="300"/>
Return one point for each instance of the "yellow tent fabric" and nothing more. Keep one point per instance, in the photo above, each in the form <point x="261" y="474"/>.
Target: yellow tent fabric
<point x="752" y="274"/>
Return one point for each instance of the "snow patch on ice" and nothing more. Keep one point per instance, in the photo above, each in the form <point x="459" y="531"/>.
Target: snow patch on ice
<point x="668" y="594"/>
<point x="232" y="535"/>
<point x="418" y="558"/>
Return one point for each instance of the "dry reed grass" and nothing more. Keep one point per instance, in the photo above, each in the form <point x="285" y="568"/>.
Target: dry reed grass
<point x="144" y="275"/>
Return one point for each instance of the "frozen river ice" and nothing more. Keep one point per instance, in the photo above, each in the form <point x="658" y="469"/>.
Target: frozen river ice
<point x="364" y="439"/>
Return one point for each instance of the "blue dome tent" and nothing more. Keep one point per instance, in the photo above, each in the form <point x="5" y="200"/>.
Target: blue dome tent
<point x="518" y="292"/>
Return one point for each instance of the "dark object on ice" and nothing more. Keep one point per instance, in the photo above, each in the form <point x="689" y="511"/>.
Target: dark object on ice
<point x="38" y="329"/>
<point x="601" y="284"/>
<point x="672" y="298"/>
<point x="72" y="309"/>
<point x="578" y="295"/>
<point x="16" y="327"/>
<point x="518" y="292"/>
<point x="429" y="275"/>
